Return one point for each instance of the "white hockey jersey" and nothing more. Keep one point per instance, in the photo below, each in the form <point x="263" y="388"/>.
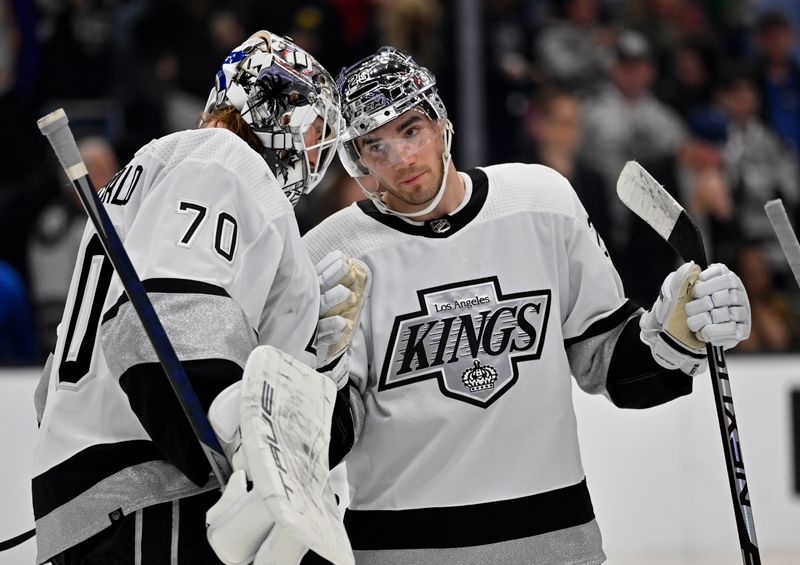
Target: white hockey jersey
<point x="469" y="451"/>
<point x="216" y="244"/>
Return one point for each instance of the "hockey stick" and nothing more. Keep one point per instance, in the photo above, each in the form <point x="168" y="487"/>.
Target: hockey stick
<point x="55" y="127"/>
<point x="17" y="540"/>
<point x="786" y="236"/>
<point x="645" y="197"/>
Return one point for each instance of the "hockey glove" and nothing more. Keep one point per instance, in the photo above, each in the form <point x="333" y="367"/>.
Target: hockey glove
<point x="664" y="327"/>
<point x="343" y="285"/>
<point x="720" y="313"/>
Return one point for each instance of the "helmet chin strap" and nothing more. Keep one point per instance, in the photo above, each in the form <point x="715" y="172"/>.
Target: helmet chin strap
<point x="446" y="157"/>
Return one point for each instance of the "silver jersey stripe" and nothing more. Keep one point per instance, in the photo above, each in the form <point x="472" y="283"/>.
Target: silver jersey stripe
<point x="580" y="545"/>
<point x="590" y="358"/>
<point x="131" y="489"/>
<point x="200" y="326"/>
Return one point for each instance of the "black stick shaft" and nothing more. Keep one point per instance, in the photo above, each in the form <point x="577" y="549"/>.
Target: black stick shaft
<point x="688" y="243"/>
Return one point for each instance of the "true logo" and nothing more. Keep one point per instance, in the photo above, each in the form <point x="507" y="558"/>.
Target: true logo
<point x="470" y="337"/>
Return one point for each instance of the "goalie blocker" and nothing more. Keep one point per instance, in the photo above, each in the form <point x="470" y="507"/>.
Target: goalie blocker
<point x="275" y="425"/>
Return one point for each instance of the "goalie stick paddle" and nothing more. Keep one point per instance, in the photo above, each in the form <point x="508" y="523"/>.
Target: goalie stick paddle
<point x="786" y="235"/>
<point x="646" y="198"/>
<point x="55" y="127"/>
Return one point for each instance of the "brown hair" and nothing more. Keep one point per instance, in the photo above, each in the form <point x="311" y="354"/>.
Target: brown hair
<point x="229" y="118"/>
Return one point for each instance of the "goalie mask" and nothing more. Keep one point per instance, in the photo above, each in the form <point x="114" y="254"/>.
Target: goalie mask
<point x="376" y="91"/>
<point x="280" y="91"/>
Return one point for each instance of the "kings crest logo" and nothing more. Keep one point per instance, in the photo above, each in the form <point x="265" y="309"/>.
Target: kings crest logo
<point x="470" y="337"/>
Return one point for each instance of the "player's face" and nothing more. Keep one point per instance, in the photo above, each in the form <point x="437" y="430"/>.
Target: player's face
<point x="404" y="156"/>
<point x="312" y="138"/>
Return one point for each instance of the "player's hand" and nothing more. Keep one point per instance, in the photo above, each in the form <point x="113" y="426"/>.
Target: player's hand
<point x="343" y="290"/>
<point x="664" y="327"/>
<point x="720" y="312"/>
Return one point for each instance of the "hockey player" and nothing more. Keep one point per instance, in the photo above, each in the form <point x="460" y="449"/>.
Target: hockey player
<point x="207" y="218"/>
<point x="489" y="288"/>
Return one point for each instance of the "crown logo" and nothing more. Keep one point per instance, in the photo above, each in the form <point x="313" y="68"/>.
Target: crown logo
<point x="479" y="377"/>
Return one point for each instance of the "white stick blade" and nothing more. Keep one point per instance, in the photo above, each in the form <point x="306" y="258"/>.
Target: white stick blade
<point x="786" y="235"/>
<point x="646" y="198"/>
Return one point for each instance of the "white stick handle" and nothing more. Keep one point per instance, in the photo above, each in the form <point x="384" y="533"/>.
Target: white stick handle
<point x="55" y="126"/>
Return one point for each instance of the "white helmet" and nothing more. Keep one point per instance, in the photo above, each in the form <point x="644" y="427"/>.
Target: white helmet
<point x="279" y="90"/>
<point x="375" y="91"/>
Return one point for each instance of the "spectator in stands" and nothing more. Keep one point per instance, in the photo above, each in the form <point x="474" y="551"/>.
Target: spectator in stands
<point x="776" y="325"/>
<point x="688" y="86"/>
<point x="625" y="121"/>
<point x="55" y="240"/>
<point x="694" y="175"/>
<point x="666" y="24"/>
<point x="17" y="333"/>
<point x="574" y="51"/>
<point x="778" y="77"/>
<point x="758" y="165"/>
<point x="553" y="128"/>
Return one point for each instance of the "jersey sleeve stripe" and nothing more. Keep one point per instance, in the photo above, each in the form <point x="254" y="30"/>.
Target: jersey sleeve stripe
<point x="200" y="326"/>
<point x="169" y="286"/>
<point x="65" y="481"/>
<point x="619" y="316"/>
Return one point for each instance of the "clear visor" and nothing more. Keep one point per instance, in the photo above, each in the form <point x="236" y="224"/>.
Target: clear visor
<point x="396" y="141"/>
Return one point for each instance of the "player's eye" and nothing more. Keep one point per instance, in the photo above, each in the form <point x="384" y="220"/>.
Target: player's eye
<point x="376" y="148"/>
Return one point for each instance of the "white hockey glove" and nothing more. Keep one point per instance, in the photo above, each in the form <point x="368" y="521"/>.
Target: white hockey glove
<point x="720" y="313"/>
<point x="343" y="283"/>
<point x="279" y="416"/>
<point x="664" y="327"/>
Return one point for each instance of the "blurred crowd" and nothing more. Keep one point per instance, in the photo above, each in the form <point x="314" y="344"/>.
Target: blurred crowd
<point x="705" y="94"/>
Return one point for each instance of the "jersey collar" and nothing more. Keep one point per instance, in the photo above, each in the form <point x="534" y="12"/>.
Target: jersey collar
<point x="440" y="227"/>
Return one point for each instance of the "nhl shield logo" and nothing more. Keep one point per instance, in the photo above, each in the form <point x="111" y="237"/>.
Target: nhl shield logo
<point x="441" y="225"/>
<point x="469" y="337"/>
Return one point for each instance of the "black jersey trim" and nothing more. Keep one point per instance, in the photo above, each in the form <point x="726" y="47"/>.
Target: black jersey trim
<point x="480" y="190"/>
<point x="60" y="484"/>
<point x="155" y="404"/>
<point x="343" y="434"/>
<point x="634" y="378"/>
<point x="464" y="526"/>
<point x="168" y="286"/>
<point x="606" y="324"/>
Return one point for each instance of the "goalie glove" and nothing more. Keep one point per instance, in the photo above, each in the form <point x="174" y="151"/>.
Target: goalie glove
<point x="278" y="502"/>
<point x="664" y="327"/>
<point x="343" y="286"/>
